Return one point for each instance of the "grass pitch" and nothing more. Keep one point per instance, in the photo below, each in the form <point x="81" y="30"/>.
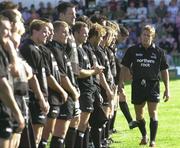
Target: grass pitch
<point x="168" y="135"/>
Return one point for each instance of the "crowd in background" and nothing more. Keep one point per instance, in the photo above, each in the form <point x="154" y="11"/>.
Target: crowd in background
<point x="133" y="14"/>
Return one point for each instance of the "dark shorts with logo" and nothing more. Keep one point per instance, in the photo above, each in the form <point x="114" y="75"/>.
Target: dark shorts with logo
<point x="145" y="90"/>
<point x="37" y="115"/>
<point x="86" y="101"/>
<point x="5" y="122"/>
<point x="55" y="102"/>
<point x="66" y="110"/>
<point x="53" y="111"/>
<point x="22" y="103"/>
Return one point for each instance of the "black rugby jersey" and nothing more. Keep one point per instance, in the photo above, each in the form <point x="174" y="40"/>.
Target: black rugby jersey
<point x="90" y="51"/>
<point x="63" y="61"/>
<point x="112" y="62"/>
<point x="85" y="84"/>
<point x="54" y="70"/>
<point x="34" y="57"/>
<point x="72" y="54"/>
<point x="104" y="61"/>
<point x="145" y="63"/>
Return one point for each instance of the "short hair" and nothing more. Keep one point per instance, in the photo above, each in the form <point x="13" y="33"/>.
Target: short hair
<point x="85" y="19"/>
<point x="62" y="7"/>
<point x="3" y="18"/>
<point x="98" y="19"/>
<point x="37" y="25"/>
<point x="8" y="5"/>
<point x="14" y="18"/>
<point x="46" y="20"/>
<point x="150" y="29"/>
<point x="11" y="15"/>
<point x="78" y="25"/>
<point x="58" y="24"/>
<point x="96" y="30"/>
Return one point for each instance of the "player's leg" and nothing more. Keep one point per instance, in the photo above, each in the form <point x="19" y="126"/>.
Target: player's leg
<point x="153" y="114"/>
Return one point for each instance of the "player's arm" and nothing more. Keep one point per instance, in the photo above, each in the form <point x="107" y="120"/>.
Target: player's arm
<point x="165" y="78"/>
<point x="54" y="85"/>
<point x="9" y="47"/>
<point x="67" y="85"/>
<point x="34" y="85"/>
<point x="84" y="73"/>
<point x="7" y="97"/>
<point x="105" y="85"/>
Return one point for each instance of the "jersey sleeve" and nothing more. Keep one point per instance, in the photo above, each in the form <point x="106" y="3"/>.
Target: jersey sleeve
<point x="3" y="70"/>
<point x="31" y="57"/>
<point x="60" y="61"/>
<point x="163" y="64"/>
<point x="127" y="59"/>
<point x="80" y="57"/>
<point x="47" y="60"/>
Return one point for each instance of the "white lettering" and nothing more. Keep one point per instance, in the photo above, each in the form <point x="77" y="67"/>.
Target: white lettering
<point x="145" y="65"/>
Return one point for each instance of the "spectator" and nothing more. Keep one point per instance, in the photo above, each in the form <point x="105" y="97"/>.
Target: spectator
<point x="141" y="11"/>
<point x="168" y="47"/>
<point x="161" y="10"/>
<point x="172" y="10"/>
<point x="49" y="10"/>
<point x="160" y="28"/>
<point x="151" y="10"/>
<point x="169" y="26"/>
<point x="112" y="5"/>
<point x="26" y="14"/>
<point x="42" y="10"/>
<point x="119" y="14"/>
<point x="34" y="14"/>
<point x="178" y="20"/>
<point x="132" y="11"/>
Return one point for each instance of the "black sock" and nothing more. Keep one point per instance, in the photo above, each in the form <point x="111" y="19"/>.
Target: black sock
<point x="125" y="109"/>
<point x="43" y="143"/>
<point x="153" y="129"/>
<point x="96" y="134"/>
<point x="107" y="129"/>
<point x="57" y="142"/>
<point x="142" y="127"/>
<point x="113" y="121"/>
<point x="79" y="139"/>
<point x="86" y="138"/>
<point x="70" y="137"/>
<point x="103" y="137"/>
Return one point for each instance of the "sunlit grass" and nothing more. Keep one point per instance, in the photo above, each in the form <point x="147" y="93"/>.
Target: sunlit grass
<point x="169" y="123"/>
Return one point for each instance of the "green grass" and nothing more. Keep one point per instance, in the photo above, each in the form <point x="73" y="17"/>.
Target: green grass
<point x="168" y="135"/>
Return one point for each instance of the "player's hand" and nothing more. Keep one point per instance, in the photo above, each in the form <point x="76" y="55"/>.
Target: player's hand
<point x="166" y="95"/>
<point x="64" y="95"/>
<point x="76" y="94"/>
<point x="44" y="105"/>
<point x="21" y="123"/>
<point x="110" y="95"/>
<point x="111" y="105"/>
<point x="99" y="69"/>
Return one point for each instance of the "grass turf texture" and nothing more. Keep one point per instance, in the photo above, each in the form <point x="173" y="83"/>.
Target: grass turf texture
<point x="168" y="135"/>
